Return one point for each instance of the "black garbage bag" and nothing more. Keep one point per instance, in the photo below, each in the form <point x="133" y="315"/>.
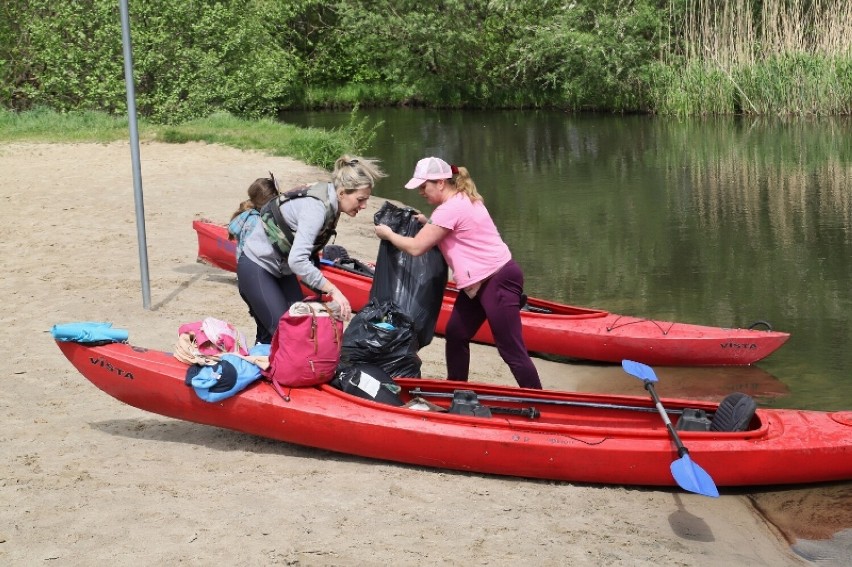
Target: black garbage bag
<point x="381" y="334"/>
<point x="416" y="284"/>
<point x="368" y="381"/>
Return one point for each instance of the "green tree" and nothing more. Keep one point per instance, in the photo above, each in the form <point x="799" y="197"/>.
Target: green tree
<point x="190" y="58"/>
<point x="594" y="55"/>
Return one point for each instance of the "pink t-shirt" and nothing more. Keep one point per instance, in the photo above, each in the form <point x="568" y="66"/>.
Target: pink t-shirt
<point x="473" y="248"/>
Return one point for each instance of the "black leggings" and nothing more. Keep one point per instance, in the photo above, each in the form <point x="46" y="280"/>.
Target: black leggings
<point x="268" y="297"/>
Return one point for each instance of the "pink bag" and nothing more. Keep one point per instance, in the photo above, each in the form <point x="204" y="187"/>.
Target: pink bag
<point x="305" y="348"/>
<point x="203" y="342"/>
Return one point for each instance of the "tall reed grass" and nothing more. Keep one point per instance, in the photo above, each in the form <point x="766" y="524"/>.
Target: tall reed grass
<point x="786" y="57"/>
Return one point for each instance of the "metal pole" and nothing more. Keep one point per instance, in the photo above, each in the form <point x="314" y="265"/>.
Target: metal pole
<point x="134" y="155"/>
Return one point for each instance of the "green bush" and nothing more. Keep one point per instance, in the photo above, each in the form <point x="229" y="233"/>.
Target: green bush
<point x="593" y="55"/>
<point x="254" y="58"/>
<point x="191" y="58"/>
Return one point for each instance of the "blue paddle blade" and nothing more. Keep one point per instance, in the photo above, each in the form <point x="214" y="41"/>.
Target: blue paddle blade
<point x="641" y="371"/>
<point x="689" y="476"/>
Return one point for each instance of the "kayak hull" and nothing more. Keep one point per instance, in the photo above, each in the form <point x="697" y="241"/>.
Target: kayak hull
<point x="557" y="329"/>
<point x="577" y="437"/>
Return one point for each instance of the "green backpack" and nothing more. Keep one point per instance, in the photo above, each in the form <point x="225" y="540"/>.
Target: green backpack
<point x="280" y="235"/>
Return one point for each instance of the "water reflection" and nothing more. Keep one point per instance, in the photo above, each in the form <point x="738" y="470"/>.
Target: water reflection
<point x="698" y="383"/>
<point x="816" y="520"/>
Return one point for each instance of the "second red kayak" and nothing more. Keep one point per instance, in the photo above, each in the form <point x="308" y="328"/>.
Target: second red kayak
<point x="562" y="330"/>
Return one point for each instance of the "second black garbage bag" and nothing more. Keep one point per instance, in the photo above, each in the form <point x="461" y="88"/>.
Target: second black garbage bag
<point x="381" y="334"/>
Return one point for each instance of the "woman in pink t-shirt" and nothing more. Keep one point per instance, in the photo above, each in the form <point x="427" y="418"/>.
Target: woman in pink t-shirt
<point x="483" y="269"/>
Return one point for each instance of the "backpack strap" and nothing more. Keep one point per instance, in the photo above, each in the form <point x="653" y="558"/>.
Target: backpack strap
<point x="280" y="234"/>
<point x="273" y="209"/>
<point x="314" y="324"/>
<point x="285" y="397"/>
<point x="337" y="332"/>
<point x="279" y="218"/>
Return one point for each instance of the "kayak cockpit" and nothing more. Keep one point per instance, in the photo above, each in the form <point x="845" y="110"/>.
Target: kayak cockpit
<point x="499" y="406"/>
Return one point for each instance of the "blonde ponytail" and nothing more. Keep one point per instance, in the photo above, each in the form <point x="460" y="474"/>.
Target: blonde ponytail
<point x="464" y="184"/>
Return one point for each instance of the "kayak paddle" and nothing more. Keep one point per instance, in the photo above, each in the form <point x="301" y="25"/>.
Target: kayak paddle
<point x="686" y="473"/>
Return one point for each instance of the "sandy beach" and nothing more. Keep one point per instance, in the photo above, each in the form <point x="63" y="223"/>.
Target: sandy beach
<point x="87" y="480"/>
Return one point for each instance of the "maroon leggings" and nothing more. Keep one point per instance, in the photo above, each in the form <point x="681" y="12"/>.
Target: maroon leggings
<point x="499" y="302"/>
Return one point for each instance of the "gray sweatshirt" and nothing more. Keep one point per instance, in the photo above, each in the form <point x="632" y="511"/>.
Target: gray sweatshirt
<point x="305" y="217"/>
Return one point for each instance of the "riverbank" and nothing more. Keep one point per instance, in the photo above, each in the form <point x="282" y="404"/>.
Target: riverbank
<point x="89" y="480"/>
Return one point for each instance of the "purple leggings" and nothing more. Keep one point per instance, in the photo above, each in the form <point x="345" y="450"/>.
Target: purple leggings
<point x="498" y="301"/>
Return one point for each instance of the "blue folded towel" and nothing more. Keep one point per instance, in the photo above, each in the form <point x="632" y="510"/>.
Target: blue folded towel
<point x="230" y="376"/>
<point x="88" y="332"/>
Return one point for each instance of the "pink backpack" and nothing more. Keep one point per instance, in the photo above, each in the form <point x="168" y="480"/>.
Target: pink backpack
<point x="305" y="348"/>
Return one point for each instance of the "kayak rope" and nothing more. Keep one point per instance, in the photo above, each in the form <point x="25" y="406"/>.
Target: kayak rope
<point x="615" y="324"/>
<point x="759" y="324"/>
<point x="591" y="443"/>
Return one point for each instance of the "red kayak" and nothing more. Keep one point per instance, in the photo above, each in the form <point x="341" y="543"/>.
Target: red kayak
<point x="576" y="437"/>
<point x="562" y="330"/>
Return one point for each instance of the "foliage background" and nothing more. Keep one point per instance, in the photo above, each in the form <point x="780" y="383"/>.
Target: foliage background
<point x="255" y="58"/>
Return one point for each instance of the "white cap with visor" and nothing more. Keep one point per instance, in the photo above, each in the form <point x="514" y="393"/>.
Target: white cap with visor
<point x="429" y="169"/>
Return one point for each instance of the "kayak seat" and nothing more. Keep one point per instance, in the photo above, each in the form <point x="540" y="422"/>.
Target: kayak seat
<point x="356" y="266"/>
<point x="525" y="306"/>
<point x="334" y="252"/>
<point x="338" y="256"/>
<point x="734" y="413"/>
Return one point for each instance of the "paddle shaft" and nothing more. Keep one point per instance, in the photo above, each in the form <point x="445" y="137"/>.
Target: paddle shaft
<point x="681" y="450"/>
<point x="544" y="401"/>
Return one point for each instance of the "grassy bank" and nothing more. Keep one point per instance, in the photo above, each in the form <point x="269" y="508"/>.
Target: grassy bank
<point x="311" y="145"/>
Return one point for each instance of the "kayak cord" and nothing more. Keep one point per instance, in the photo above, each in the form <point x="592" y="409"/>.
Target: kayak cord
<point x="615" y="324"/>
